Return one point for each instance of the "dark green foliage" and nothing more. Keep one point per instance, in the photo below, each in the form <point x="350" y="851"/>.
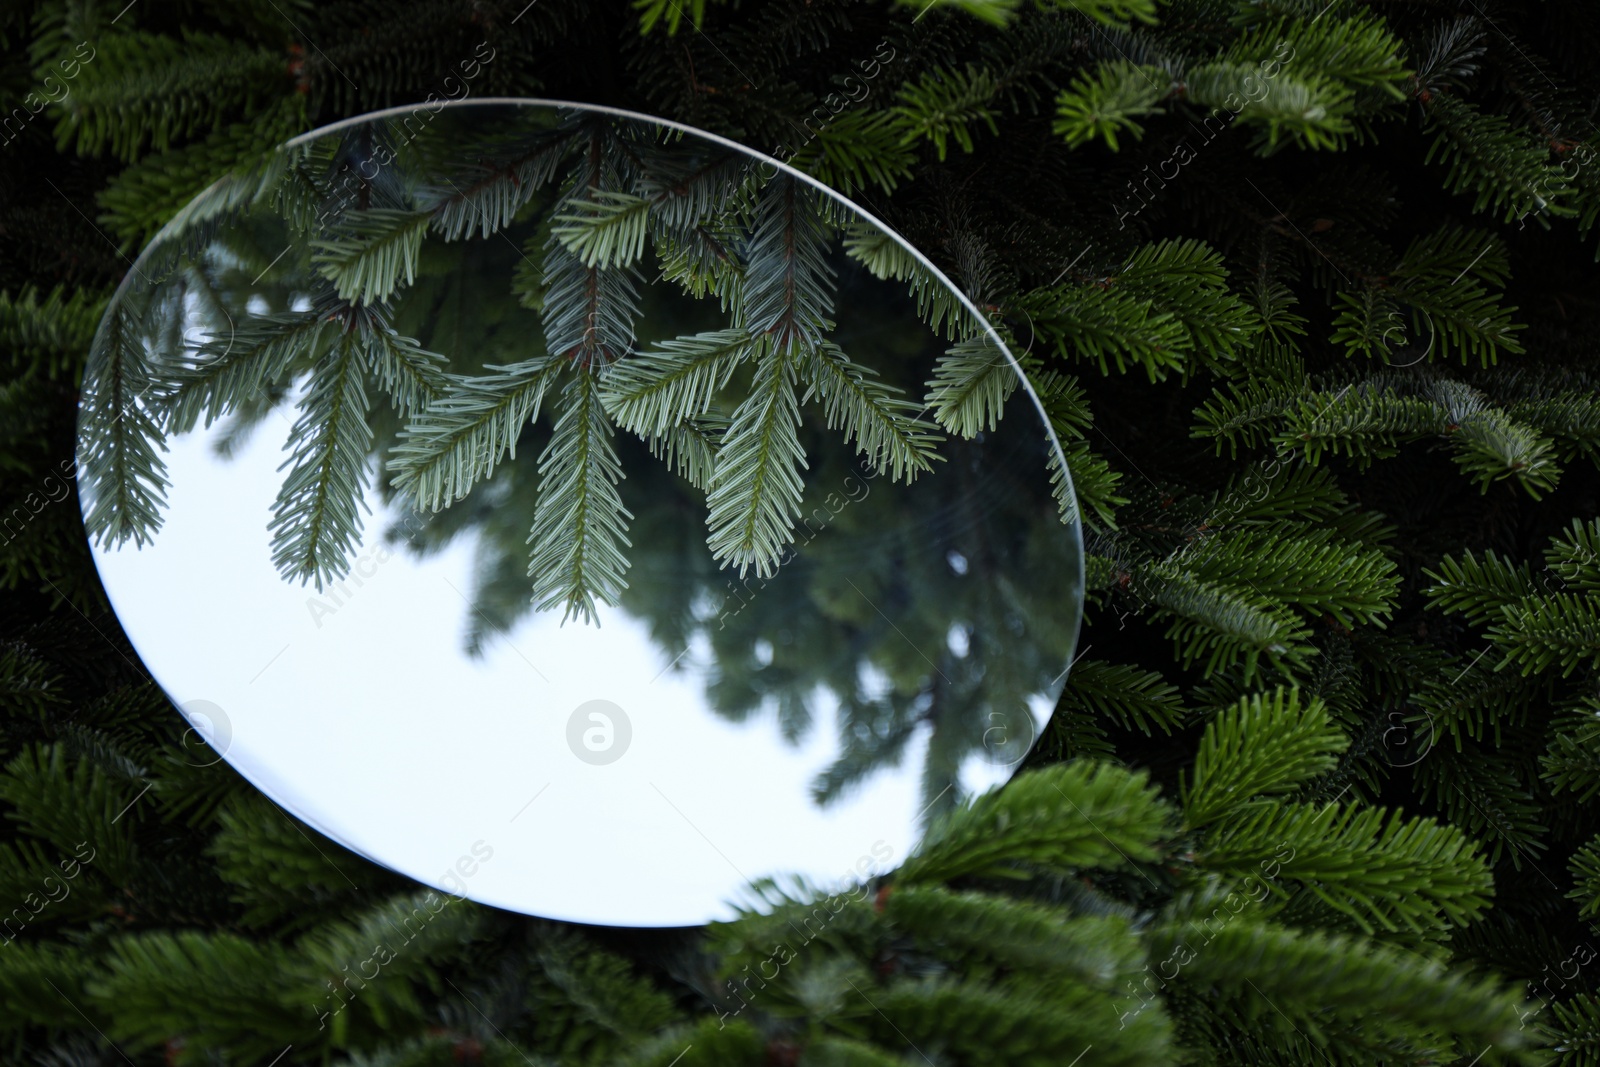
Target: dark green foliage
<point x="1112" y="821"/>
<point x="1327" y="764"/>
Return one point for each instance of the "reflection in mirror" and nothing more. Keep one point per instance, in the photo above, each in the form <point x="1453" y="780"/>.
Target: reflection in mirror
<point x="498" y="452"/>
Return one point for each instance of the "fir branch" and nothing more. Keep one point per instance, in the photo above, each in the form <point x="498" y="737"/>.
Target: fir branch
<point x="1478" y="587"/>
<point x="1001" y="12"/>
<point x="1491" y="446"/>
<point x="1571" y="762"/>
<point x="1092" y="484"/>
<point x="1091" y="481"/>
<point x="1365" y="421"/>
<point x="944" y="105"/>
<point x="1272" y="491"/>
<point x="391" y="994"/>
<point x="1020" y="934"/>
<point x="1112" y="98"/>
<point x="653" y="390"/>
<point x="580" y="525"/>
<point x="699" y="260"/>
<point x="1381" y="870"/>
<point x="1065" y="403"/>
<point x="70" y="802"/>
<point x="588" y="311"/>
<point x="1262" y="745"/>
<point x="1541" y="633"/>
<point x="601" y="990"/>
<point x="1575" y="558"/>
<point x="487" y="196"/>
<point x="1585" y="867"/>
<point x="1358" y="49"/>
<point x="607" y="232"/>
<point x="1315" y="975"/>
<point x="1065" y="818"/>
<point x="699" y="190"/>
<point x="316" y="523"/>
<point x="224" y="373"/>
<point x="1304" y="106"/>
<point x="1026" y="1025"/>
<point x="671" y="14"/>
<point x="884" y="426"/>
<point x="377" y="256"/>
<point x="1474" y="701"/>
<point x="787" y="292"/>
<point x="886" y="257"/>
<point x="1574" y="1029"/>
<point x="1108" y="326"/>
<point x="1486" y="795"/>
<point x="855" y="150"/>
<point x="1367" y="320"/>
<point x="1132" y="698"/>
<point x="124" y="477"/>
<point x="1223" y="624"/>
<point x="277" y="874"/>
<point x="1570" y="418"/>
<point x="756" y="487"/>
<point x="690" y="448"/>
<point x="1506" y="171"/>
<point x="459" y="438"/>
<point x="160" y="980"/>
<point x="1246" y="415"/>
<point x="1454" y="53"/>
<point x="1186" y="279"/>
<point x="1318" y="81"/>
<point x="970" y="386"/>
<point x="1310" y="569"/>
<point x="411" y="375"/>
<point x="162" y="188"/>
<point x="51" y="333"/>
<point x="1441" y="279"/>
<point x="151" y="89"/>
<point x="31" y="982"/>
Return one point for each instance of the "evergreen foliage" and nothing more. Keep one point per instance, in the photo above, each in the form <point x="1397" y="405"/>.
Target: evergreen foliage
<point x="1306" y="290"/>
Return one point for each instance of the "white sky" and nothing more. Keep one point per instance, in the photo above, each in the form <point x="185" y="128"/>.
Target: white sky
<point x="375" y="727"/>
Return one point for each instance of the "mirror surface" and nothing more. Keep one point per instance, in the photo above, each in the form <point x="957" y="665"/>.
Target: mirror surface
<point x="577" y="513"/>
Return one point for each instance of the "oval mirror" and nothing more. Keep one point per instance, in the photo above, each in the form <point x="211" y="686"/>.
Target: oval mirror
<point x="577" y="512"/>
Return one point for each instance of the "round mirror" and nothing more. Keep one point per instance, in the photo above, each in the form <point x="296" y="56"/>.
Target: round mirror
<point x="577" y="512"/>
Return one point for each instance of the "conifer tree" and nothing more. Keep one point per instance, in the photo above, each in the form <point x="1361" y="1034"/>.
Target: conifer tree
<point x="1305" y="288"/>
